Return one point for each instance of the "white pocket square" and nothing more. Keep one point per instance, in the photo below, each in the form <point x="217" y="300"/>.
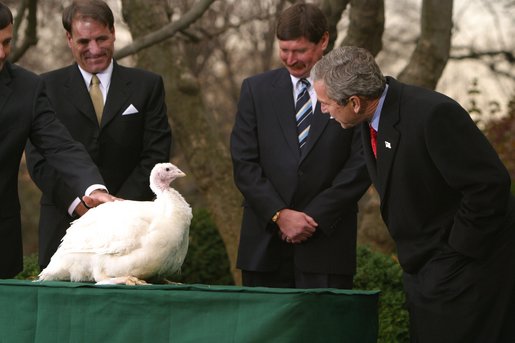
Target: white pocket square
<point x="130" y="110"/>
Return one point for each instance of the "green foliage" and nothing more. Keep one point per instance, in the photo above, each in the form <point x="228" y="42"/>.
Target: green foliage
<point x="378" y="271"/>
<point x="498" y="129"/>
<point x="500" y="134"/>
<point x="30" y="268"/>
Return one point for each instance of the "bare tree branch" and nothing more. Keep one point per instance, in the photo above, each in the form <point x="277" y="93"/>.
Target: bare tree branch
<point x="474" y="55"/>
<point x="167" y="31"/>
<point x="491" y="59"/>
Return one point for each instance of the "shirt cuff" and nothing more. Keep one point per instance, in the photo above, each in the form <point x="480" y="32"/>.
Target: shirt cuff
<point x="72" y="207"/>
<point x="94" y="188"/>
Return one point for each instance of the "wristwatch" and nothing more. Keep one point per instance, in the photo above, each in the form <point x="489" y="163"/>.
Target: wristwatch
<point x="275" y="218"/>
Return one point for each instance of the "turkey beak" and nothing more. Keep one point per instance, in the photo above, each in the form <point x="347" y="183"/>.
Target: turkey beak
<point x="180" y="173"/>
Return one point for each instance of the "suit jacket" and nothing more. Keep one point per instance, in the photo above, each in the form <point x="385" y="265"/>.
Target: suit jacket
<point x="445" y="198"/>
<point x="439" y="180"/>
<point x="132" y="137"/>
<point x="325" y="182"/>
<point x="25" y="112"/>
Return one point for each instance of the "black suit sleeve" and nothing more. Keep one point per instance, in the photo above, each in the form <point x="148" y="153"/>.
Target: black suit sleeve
<point x="48" y="180"/>
<point x="468" y="163"/>
<point x="53" y="141"/>
<point x="345" y="190"/>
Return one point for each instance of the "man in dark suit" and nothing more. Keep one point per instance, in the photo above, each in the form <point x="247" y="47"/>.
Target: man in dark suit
<point x="26" y="113"/>
<point x="300" y="206"/>
<point x="125" y="139"/>
<point x="445" y="198"/>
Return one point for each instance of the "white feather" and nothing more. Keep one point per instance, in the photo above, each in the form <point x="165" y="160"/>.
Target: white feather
<point x="142" y="239"/>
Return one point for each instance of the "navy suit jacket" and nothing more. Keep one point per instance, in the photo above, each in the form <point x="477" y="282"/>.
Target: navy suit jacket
<point x="125" y="146"/>
<point x="325" y="182"/>
<point x="25" y="113"/>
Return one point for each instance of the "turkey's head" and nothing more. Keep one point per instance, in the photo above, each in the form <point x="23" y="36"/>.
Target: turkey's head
<point x="162" y="175"/>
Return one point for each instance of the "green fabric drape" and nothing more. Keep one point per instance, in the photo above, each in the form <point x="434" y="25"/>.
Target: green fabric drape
<point x="80" y="312"/>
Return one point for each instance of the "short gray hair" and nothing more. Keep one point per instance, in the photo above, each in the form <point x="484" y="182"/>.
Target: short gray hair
<point x="348" y="71"/>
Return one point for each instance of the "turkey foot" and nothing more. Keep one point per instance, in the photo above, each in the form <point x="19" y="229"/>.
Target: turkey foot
<point x="123" y="280"/>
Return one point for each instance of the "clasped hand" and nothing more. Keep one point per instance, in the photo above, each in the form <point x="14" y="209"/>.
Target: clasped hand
<point x="295" y="227"/>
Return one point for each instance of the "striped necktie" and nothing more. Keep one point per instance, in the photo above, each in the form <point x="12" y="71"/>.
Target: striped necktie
<point x="96" y="97"/>
<point x="304" y="113"/>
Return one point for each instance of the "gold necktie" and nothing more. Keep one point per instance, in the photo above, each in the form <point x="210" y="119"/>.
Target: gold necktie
<point x="96" y="97"/>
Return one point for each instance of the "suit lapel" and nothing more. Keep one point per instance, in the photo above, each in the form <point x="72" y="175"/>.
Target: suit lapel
<point x="116" y="96"/>
<point x="318" y="124"/>
<point x="284" y="109"/>
<point x="387" y="137"/>
<point x="76" y="91"/>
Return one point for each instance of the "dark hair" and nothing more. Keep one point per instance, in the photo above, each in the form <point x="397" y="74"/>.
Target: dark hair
<point x="6" y="16"/>
<point x="302" y="20"/>
<point x="94" y="9"/>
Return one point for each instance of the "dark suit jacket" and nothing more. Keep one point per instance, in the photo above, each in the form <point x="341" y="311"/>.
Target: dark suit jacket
<point x="326" y="182"/>
<point x="25" y="112"/>
<point x="125" y="147"/>
<point x="445" y="198"/>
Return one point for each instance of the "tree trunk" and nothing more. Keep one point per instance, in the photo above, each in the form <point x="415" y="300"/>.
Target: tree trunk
<point x="366" y="25"/>
<point x="333" y="10"/>
<point x="206" y="155"/>
<point x="428" y="61"/>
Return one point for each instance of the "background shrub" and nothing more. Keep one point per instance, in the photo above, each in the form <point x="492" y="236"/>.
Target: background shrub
<point x="379" y="271"/>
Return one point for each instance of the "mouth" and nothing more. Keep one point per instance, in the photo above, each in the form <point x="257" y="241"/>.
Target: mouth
<point x="96" y="58"/>
<point x="297" y="66"/>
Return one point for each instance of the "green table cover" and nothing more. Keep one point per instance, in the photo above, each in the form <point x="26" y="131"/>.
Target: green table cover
<point x="80" y="312"/>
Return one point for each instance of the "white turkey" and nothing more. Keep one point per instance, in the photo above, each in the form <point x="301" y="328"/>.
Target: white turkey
<point x="127" y="241"/>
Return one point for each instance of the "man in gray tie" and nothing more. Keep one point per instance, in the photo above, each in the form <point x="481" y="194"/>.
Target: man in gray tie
<point x="126" y="138"/>
<point x="301" y="176"/>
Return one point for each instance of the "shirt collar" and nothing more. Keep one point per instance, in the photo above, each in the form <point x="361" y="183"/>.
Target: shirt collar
<point x="295" y="82"/>
<point x="374" y="123"/>
<point x="103" y="76"/>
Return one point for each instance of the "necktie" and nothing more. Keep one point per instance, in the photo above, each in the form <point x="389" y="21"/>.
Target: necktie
<point x="373" y="140"/>
<point x="96" y="97"/>
<point x="304" y="111"/>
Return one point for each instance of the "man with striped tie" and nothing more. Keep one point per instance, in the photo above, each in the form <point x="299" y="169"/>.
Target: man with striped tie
<point x="300" y="174"/>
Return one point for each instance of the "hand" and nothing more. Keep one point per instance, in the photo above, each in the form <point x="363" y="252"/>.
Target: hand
<point x="295" y="226"/>
<point x="80" y="210"/>
<point x="98" y="197"/>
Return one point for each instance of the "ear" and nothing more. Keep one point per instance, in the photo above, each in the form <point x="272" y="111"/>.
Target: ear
<point x="355" y="102"/>
<point x="69" y="39"/>
<point x="325" y="40"/>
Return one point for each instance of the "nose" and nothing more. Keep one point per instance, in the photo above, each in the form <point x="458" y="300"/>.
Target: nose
<point x="93" y="47"/>
<point x="2" y="52"/>
<point x="290" y="58"/>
